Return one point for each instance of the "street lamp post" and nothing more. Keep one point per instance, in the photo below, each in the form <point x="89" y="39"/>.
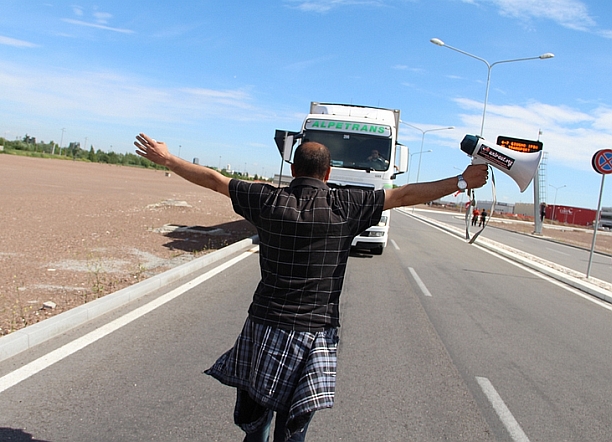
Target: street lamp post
<point x="423" y="132"/>
<point x="439" y="42"/>
<point x="410" y="162"/>
<point x="555" y="206"/>
<point x="545" y="56"/>
<point x="61" y="142"/>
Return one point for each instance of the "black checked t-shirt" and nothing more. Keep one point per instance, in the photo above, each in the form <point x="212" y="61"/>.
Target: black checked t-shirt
<point x="305" y="233"/>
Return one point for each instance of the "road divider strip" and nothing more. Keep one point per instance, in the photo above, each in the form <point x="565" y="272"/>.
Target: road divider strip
<point x="35" y="334"/>
<point x="51" y="358"/>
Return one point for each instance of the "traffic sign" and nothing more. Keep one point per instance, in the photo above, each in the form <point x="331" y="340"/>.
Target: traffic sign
<point x="602" y="161"/>
<point x="519" y="145"/>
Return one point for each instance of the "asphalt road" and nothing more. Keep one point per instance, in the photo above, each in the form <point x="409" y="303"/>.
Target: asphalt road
<point x="566" y="255"/>
<point x="440" y="340"/>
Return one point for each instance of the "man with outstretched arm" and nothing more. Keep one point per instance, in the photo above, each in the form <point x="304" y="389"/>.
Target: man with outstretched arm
<point x="284" y="359"/>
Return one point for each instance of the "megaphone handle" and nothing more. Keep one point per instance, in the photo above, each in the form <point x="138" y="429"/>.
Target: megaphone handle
<point x="476" y="160"/>
<point x="468" y="210"/>
<point x="472" y="205"/>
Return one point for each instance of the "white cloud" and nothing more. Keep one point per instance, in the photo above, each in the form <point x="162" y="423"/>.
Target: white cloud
<point x="116" y="98"/>
<point x="603" y="119"/>
<point x="306" y="64"/>
<point x="572" y="14"/>
<point x="403" y="67"/>
<point x="97" y="25"/>
<point x="8" y="41"/>
<point x="102" y="17"/>
<point x="322" y="6"/>
<point x="570" y="136"/>
<point x="100" y="20"/>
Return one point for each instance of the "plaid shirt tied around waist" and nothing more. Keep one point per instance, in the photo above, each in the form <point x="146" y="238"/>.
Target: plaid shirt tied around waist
<point x="279" y="369"/>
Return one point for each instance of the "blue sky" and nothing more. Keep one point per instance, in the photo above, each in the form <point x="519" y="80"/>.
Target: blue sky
<point x="218" y="77"/>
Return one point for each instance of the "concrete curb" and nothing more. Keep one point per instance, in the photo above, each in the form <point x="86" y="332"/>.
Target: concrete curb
<point x="555" y="271"/>
<point x="494" y="223"/>
<point x="35" y="334"/>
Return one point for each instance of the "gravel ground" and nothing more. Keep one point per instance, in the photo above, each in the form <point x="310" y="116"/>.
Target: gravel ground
<point x="71" y="232"/>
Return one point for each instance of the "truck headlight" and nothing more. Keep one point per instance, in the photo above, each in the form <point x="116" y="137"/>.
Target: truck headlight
<point x="383" y="221"/>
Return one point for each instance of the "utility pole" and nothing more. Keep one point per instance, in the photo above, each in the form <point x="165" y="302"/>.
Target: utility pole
<point x="537" y="218"/>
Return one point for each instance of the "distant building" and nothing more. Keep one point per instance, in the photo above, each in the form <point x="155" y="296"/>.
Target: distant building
<point x="284" y="180"/>
<point x="524" y="209"/>
<point x="605" y="218"/>
<point x="570" y="215"/>
<point x="562" y="214"/>
<point x="499" y="207"/>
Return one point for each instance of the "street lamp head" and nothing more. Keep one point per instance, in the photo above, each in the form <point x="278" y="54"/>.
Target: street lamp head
<point x="437" y="41"/>
<point x="547" y="55"/>
<point x="423" y="131"/>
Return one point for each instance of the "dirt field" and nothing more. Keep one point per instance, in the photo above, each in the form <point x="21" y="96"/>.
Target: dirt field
<point x="71" y="232"/>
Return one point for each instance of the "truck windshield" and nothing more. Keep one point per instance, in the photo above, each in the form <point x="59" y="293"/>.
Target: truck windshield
<point x="354" y="151"/>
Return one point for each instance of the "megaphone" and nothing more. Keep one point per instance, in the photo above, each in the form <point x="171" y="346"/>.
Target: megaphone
<point x="520" y="166"/>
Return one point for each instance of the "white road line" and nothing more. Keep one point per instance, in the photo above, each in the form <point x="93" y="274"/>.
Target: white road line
<point x="419" y="282"/>
<point x="553" y="281"/>
<point x="395" y="245"/>
<point x="565" y="287"/>
<point x="51" y="358"/>
<point x="516" y="432"/>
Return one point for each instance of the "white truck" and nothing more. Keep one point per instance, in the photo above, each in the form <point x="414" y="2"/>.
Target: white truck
<point x="364" y="148"/>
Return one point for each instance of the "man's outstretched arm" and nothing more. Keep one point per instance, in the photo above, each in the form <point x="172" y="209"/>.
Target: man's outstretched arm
<point x="158" y="152"/>
<point x="419" y="193"/>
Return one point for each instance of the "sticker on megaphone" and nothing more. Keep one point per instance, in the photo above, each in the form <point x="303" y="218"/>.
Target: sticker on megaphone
<point x="520" y="166"/>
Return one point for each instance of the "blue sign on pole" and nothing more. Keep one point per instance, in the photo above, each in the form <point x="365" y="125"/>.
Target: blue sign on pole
<point x="602" y="161"/>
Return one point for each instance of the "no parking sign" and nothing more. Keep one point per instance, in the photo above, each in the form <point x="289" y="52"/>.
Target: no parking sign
<point x="602" y="163"/>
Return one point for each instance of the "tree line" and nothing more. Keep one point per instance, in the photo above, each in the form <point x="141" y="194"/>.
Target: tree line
<point x="28" y="146"/>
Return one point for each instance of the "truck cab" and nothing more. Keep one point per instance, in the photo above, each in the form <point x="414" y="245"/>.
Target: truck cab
<point x="363" y="145"/>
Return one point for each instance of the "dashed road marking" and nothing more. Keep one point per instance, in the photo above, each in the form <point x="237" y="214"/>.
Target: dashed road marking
<point x="516" y="432"/>
<point x="419" y="282"/>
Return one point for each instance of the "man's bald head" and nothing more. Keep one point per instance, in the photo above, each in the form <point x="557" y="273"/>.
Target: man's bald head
<point x="311" y="159"/>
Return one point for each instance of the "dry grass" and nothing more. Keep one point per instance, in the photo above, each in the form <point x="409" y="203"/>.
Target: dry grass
<point x="72" y="232"/>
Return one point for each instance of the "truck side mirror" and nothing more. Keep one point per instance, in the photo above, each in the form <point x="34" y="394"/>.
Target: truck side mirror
<point x="402" y="167"/>
<point x="284" y="142"/>
<point x="403" y="160"/>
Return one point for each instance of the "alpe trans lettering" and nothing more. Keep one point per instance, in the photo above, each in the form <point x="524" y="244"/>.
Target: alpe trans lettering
<point x="348" y="126"/>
